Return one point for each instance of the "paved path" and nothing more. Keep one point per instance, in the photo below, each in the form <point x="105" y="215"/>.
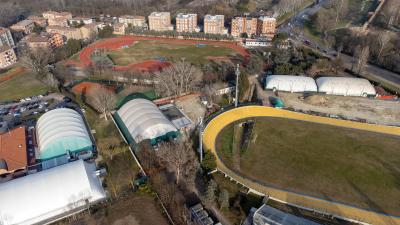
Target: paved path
<point x="215" y="126"/>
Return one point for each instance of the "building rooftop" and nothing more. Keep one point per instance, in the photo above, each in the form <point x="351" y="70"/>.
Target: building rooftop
<point x="13" y="148"/>
<point x="132" y="17"/>
<point x="160" y="14"/>
<point x="213" y="17"/>
<point x="182" y="15"/>
<point x="3" y="30"/>
<point x="23" y="23"/>
<point x="4" y="48"/>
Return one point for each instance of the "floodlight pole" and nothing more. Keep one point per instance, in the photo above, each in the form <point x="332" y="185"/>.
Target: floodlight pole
<point x="201" y="138"/>
<point x="237" y="86"/>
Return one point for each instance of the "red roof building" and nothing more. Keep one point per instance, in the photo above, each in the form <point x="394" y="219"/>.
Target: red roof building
<point x="13" y="150"/>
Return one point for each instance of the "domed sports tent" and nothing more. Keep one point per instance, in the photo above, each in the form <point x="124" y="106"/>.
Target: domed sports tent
<point x="62" y="133"/>
<point x="290" y="83"/>
<point x="345" y="86"/>
<point x="49" y="195"/>
<point x="140" y="119"/>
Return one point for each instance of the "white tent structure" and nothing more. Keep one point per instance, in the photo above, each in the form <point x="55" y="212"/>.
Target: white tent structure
<point x="50" y="195"/>
<point x="144" y="120"/>
<point x="62" y="130"/>
<point x="345" y="86"/>
<point x="290" y="83"/>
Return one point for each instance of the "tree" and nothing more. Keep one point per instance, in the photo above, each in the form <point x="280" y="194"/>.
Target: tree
<point x="223" y="199"/>
<point x="106" y="32"/>
<point x="255" y="65"/>
<point x="37" y="60"/>
<point x="209" y="161"/>
<point x="243" y="84"/>
<point x="102" y="99"/>
<point x="209" y="197"/>
<point x="181" y="77"/>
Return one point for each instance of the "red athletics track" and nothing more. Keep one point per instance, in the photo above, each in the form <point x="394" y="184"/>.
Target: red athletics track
<point x="150" y="65"/>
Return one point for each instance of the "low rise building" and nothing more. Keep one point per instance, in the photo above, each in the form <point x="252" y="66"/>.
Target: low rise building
<point x="7" y="56"/>
<point x="266" y="27"/>
<point x="6" y="37"/>
<point x="134" y="21"/>
<point x="13" y="151"/>
<point x="89" y="31"/>
<point x="80" y="20"/>
<point x="214" y="24"/>
<point x="57" y="18"/>
<point x="119" y="28"/>
<point x="243" y="25"/>
<point x="24" y="26"/>
<point x="256" y="43"/>
<point x="160" y="21"/>
<point x="38" y="21"/>
<point x="186" y="23"/>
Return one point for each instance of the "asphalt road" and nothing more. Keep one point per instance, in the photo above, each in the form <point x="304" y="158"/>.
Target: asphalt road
<point x="294" y="28"/>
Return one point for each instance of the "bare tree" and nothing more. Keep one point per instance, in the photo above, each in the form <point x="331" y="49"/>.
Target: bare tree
<point x="179" y="158"/>
<point x="102" y="99"/>
<point x="177" y="79"/>
<point x="361" y="57"/>
<point x="383" y="40"/>
<point x="37" y="60"/>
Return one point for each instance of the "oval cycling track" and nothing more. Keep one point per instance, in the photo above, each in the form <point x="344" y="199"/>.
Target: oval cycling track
<point x="215" y="126"/>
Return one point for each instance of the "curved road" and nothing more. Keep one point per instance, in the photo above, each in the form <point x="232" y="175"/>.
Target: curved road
<point x="215" y="126"/>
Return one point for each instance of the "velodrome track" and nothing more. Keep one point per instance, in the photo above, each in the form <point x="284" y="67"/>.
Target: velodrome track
<point x="215" y="126"/>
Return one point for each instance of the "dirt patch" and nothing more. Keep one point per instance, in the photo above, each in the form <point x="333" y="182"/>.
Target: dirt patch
<point x="192" y="107"/>
<point x="85" y="87"/>
<point x="14" y="72"/>
<point x="146" y="66"/>
<point x="372" y="110"/>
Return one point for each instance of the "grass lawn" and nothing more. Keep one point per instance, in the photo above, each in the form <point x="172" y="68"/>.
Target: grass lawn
<point x="20" y="86"/>
<point x="355" y="167"/>
<point x="147" y="50"/>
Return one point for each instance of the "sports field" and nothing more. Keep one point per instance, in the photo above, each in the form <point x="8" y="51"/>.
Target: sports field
<point x="154" y="50"/>
<point x="345" y="165"/>
<point x="20" y="85"/>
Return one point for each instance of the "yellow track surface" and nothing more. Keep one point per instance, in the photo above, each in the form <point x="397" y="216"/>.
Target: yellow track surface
<point x="215" y="126"/>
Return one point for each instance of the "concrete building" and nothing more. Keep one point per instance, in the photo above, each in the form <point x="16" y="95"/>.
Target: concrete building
<point x="24" y="26"/>
<point x="7" y="56"/>
<point x="160" y="21"/>
<point x="62" y="136"/>
<point x="186" y="23"/>
<point x="256" y="43"/>
<point x="51" y="195"/>
<point x="140" y="119"/>
<point x="13" y="154"/>
<point x="119" y="28"/>
<point x="243" y="25"/>
<point x="266" y="27"/>
<point x="38" y="21"/>
<point x="6" y="37"/>
<point x="214" y="24"/>
<point x="345" y="86"/>
<point x="134" y="21"/>
<point x="89" y="31"/>
<point x="290" y="83"/>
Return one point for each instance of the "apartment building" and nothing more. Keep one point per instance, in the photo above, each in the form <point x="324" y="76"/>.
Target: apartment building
<point x="243" y="25"/>
<point x="44" y="40"/>
<point x="67" y="32"/>
<point x="7" y="56"/>
<point x="134" y="21"/>
<point x="24" y="26"/>
<point x="266" y="27"/>
<point x="6" y="37"/>
<point x="57" y="18"/>
<point x="89" y="31"/>
<point x="186" y="23"/>
<point x="38" y="21"/>
<point x="214" y="24"/>
<point x="160" y="21"/>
